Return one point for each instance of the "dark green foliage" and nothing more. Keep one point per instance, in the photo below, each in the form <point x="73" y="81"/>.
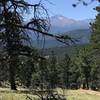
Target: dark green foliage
<point x="84" y="62"/>
<point x="75" y="79"/>
<point x="3" y="69"/>
<point x="53" y="71"/>
<point x="25" y="71"/>
<point x="66" y="66"/>
<point x="95" y="38"/>
<point x="40" y="75"/>
<point x="47" y="72"/>
<point x="95" y="50"/>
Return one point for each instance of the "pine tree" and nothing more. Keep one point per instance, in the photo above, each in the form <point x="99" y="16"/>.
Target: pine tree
<point x="95" y="50"/>
<point x="85" y="66"/>
<point x="95" y="38"/>
<point x="53" y="71"/>
<point x="66" y="66"/>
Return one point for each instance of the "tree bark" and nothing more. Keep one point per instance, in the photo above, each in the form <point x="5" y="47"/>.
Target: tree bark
<point x="12" y="80"/>
<point x="87" y="83"/>
<point x="84" y="86"/>
<point x="12" y="73"/>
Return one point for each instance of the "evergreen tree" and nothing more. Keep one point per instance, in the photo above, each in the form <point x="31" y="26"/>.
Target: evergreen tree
<point x="95" y="49"/>
<point x="95" y="76"/>
<point x="66" y="66"/>
<point x="75" y="77"/>
<point x="85" y="67"/>
<point x="53" y="71"/>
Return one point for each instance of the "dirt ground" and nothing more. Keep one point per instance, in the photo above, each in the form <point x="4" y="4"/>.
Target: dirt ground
<point x="90" y="92"/>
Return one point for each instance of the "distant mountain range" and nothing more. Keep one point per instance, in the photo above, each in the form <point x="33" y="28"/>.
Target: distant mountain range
<point x="78" y="29"/>
<point x="60" y="24"/>
<point x="81" y="35"/>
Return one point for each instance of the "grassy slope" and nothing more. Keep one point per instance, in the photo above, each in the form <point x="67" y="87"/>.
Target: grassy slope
<point x="15" y="96"/>
<point x="6" y="94"/>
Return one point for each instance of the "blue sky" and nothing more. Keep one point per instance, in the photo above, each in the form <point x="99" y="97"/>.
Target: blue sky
<point x="64" y="7"/>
